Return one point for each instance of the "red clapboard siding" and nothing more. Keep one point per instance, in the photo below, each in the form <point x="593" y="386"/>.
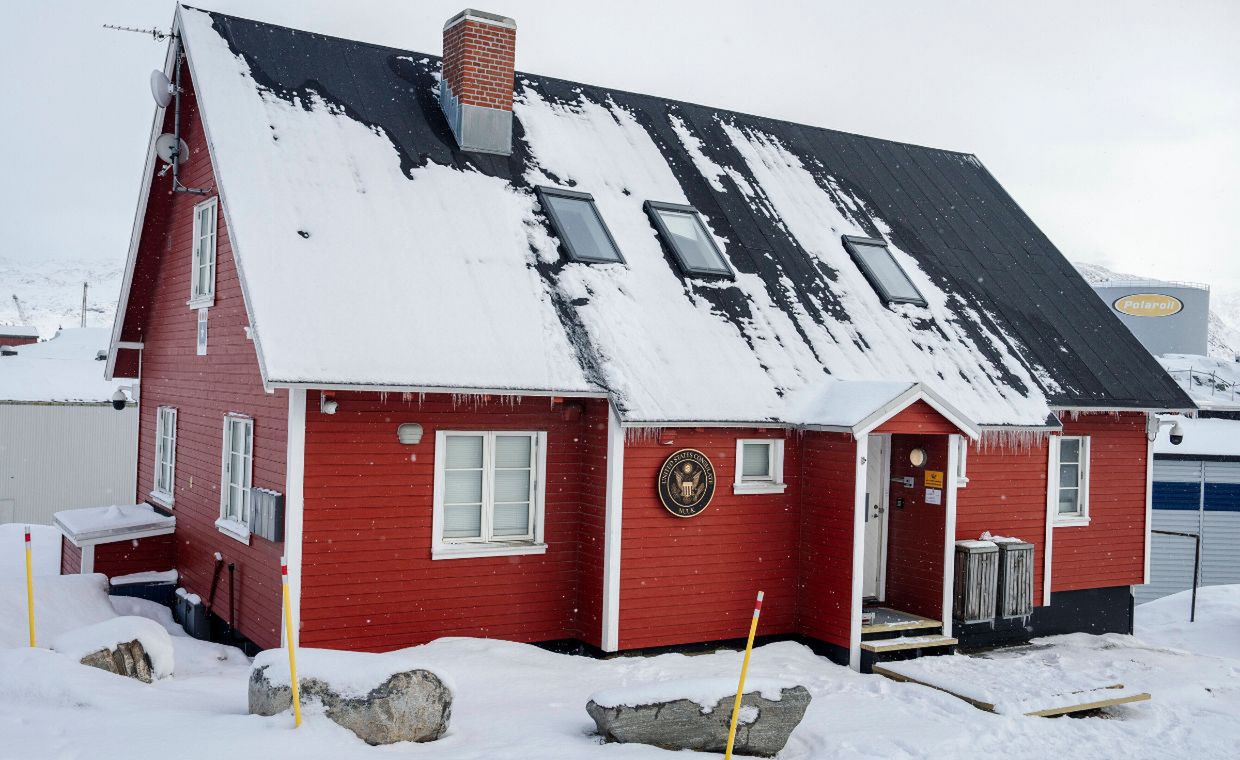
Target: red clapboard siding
<point x="695" y="579"/>
<point x="916" y="530"/>
<point x="828" y="470"/>
<point x="1110" y="551"/>
<point x="368" y="580"/>
<point x="123" y="557"/>
<point x="70" y="557"/>
<point x="918" y="418"/>
<point x="1006" y="496"/>
<point x="591" y="526"/>
<point x="203" y="389"/>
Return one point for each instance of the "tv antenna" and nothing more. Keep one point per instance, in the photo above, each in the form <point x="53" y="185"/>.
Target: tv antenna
<point x="156" y="34"/>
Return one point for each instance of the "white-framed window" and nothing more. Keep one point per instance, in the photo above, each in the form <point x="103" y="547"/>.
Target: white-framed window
<point x="489" y="493"/>
<point x="1069" y="480"/>
<point x="759" y="466"/>
<point x="202" y="271"/>
<point x="236" y="474"/>
<point x="163" y="488"/>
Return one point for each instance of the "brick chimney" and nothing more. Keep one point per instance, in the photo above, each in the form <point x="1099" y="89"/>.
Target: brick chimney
<point x="479" y="59"/>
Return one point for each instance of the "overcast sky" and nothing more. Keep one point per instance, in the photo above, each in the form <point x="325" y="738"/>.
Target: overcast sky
<point x="1116" y="124"/>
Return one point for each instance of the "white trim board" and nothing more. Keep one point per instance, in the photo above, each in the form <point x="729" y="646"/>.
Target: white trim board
<point x="949" y="529"/>
<point x="144" y="195"/>
<point x="858" y="553"/>
<point x="294" y="506"/>
<point x="612" y="533"/>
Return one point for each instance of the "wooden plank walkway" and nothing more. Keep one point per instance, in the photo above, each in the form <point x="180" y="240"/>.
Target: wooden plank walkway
<point x="1062" y="703"/>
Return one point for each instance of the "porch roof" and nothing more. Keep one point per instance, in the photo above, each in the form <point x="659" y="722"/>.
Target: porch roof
<point x="860" y="406"/>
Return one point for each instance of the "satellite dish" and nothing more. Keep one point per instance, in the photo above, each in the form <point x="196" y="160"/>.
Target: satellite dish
<point x="161" y="88"/>
<point x="165" y="144"/>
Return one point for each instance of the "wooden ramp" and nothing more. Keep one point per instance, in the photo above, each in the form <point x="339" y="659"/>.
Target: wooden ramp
<point x="1008" y="684"/>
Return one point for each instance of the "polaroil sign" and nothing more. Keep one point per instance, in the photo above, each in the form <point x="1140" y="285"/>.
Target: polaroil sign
<point x="1148" y="305"/>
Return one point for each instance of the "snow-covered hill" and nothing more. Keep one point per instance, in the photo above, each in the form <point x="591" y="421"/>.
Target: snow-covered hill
<point x="1224" y="310"/>
<point x="49" y="292"/>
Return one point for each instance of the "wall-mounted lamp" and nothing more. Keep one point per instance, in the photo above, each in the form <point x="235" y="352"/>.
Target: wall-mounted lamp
<point x="917" y="457"/>
<point x="327" y="403"/>
<point x="409" y="433"/>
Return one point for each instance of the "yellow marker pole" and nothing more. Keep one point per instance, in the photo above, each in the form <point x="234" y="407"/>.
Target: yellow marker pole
<point x="29" y="587"/>
<point x="740" y="689"/>
<point x="292" y="650"/>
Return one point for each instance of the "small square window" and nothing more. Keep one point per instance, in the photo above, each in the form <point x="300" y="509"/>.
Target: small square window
<point x="759" y="466"/>
<point x="883" y="271"/>
<point x="682" y="229"/>
<point x="580" y="226"/>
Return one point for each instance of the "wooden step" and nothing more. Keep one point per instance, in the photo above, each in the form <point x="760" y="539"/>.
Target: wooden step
<point x="908" y="642"/>
<point x="899" y="621"/>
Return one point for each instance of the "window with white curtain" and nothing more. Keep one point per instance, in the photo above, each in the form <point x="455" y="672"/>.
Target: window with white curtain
<point x="165" y="454"/>
<point x="759" y="465"/>
<point x="1070" y="480"/>
<point x="202" y="274"/>
<point x="488" y="492"/>
<point x="236" y="477"/>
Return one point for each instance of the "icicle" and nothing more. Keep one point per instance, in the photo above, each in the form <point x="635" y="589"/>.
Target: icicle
<point x="1016" y="439"/>
<point x="643" y="435"/>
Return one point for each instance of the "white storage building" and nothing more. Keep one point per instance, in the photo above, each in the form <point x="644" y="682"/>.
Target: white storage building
<point x="62" y="444"/>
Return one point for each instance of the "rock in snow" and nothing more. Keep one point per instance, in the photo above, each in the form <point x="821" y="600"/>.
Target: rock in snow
<point x="129" y="646"/>
<point x="685" y="723"/>
<point x="129" y="659"/>
<point x="408" y="706"/>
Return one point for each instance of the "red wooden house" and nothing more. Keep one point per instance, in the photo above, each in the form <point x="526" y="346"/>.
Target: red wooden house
<point x="496" y="354"/>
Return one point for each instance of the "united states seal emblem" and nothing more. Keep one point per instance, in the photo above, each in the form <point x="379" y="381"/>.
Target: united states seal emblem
<point x="686" y="483"/>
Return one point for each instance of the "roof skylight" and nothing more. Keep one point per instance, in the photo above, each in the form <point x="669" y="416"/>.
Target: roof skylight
<point x="883" y="271"/>
<point x="683" y="230"/>
<point x="579" y="225"/>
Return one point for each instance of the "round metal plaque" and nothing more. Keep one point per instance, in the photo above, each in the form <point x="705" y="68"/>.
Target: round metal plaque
<point x="686" y="483"/>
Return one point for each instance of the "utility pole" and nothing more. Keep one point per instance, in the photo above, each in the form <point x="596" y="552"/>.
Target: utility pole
<point x="84" y="286"/>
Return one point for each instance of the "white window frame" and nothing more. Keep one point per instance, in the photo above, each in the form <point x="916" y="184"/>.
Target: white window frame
<point x="1074" y="519"/>
<point x="164" y="493"/>
<point x="200" y="299"/>
<point x="228" y="525"/>
<point x="774" y="482"/>
<point x="482" y="546"/>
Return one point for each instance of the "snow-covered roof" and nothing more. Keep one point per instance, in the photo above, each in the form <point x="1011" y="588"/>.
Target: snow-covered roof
<point x="119" y="522"/>
<point x="1202" y="437"/>
<point x="18" y="331"/>
<point x="376" y="254"/>
<point x="63" y="369"/>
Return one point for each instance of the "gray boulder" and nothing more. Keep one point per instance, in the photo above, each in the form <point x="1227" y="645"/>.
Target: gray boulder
<point x="763" y="728"/>
<point x="128" y="659"/>
<point x="413" y="706"/>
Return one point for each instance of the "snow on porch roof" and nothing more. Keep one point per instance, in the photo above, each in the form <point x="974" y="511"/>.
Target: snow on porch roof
<point x="859" y="406"/>
<point x="102" y="525"/>
<point x="376" y="254"/>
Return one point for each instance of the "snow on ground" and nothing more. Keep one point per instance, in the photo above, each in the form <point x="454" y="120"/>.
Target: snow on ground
<point x="44" y="550"/>
<point x="47" y="293"/>
<point x="518" y="701"/>
<point x="108" y="634"/>
<point x="1164" y="622"/>
<point x="1212" y="383"/>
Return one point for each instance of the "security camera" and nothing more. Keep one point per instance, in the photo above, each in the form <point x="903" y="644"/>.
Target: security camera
<point x="1177" y="434"/>
<point x="118" y="400"/>
<point x="327" y="404"/>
